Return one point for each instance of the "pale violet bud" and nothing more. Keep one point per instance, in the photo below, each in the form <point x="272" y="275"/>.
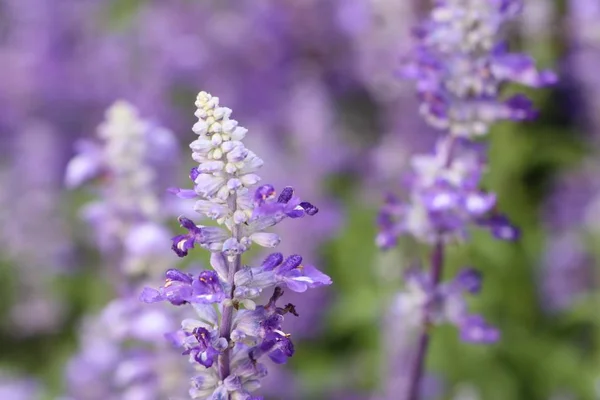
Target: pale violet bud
<point x="245" y="241"/>
<point x="200" y="157"/>
<point x="230" y="145"/>
<point x="211" y="209"/>
<point x="250" y="179"/>
<point x="200" y="128"/>
<point x="230" y="168"/>
<point x="237" y="154"/>
<point x="211" y="166"/>
<point x="229" y="126"/>
<point x="201" y="145"/>
<point x="188" y="325"/>
<point x="239" y="217"/>
<point x="223" y="193"/>
<point x="265" y="239"/>
<point x="234" y="183"/>
<point x="222" y="112"/>
<point x="219" y="265"/>
<point x="215" y="128"/>
<point x="206" y="314"/>
<point x="239" y="133"/>
<point x="216" y="139"/>
<point x="253" y="384"/>
<point x="251" y="163"/>
<point x="214" y="247"/>
<point x="232" y="247"/>
<point x="217" y="154"/>
<point x="243" y="277"/>
<point x="200" y="113"/>
<point x="208" y="185"/>
<point x="237" y="336"/>
<point x="244" y="292"/>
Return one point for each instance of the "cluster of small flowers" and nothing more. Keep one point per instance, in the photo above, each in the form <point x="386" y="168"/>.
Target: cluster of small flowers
<point x="232" y="332"/>
<point x="127" y="215"/>
<point x="122" y="350"/>
<point x="110" y="366"/>
<point x="445" y="304"/>
<point x="459" y="67"/>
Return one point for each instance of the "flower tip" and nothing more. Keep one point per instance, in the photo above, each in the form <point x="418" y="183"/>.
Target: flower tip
<point x="150" y="295"/>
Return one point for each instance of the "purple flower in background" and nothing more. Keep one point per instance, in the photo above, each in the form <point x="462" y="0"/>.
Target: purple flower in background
<point x="444" y="198"/>
<point x="122" y="350"/>
<point x="570" y="215"/>
<point x="109" y="365"/>
<point x="444" y="303"/>
<point x="459" y="63"/>
<point x="226" y="342"/>
<point x="127" y="216"/>
<point x="19" y="388"/>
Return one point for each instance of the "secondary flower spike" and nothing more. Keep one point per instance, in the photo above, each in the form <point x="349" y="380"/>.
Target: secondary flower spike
<point x="460" y="62"/>
<point x="227" y="342"/>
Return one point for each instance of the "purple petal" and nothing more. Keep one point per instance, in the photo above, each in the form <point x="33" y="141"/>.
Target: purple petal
<point x="474" y="329"/>
<point x="317" y="277"/>
<point x="272" y="261"/>
<point x="150" y="295"/>
<point x="183" y="193"/>
<point x="290" y="263"/>
<point x="285" y="195"/>
<point x="469" y="279"/>
<point x="177" y="275"/>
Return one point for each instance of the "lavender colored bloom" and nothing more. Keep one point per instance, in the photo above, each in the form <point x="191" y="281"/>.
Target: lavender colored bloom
<point x="226" y="342"/>
<point x="181" y="288"/>
<point x="474" y="329"/>
<point x="19" y="388"/>
<point x="127" y="215"/>
<point x="202" y="349"/>
<point x="444" y="303"/>
<point x="459" y="63"/>
<point x="122" y="351"/>
<point x="278" y="347"/>
<point x="123" y="354"/>
<point x="286" y="204"/>
<point x="444" y="198"/>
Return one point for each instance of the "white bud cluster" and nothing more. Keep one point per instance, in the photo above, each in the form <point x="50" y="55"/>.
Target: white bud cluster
<point x="125" y="155"/>
<point x="226" y="166"/>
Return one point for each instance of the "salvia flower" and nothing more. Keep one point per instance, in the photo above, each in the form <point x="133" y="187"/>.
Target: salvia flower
<point x="122" y="352"/>
<point x="127" y="216"/>
<point x="123" y="355"/>
<point x="231" y="333"/>
<point x="444" y="303"/>
<point x="444" y="198"/>
<point x="460" y="63"/>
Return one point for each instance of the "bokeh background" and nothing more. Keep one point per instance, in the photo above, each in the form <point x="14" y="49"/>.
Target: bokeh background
<point x="315" y="82"/>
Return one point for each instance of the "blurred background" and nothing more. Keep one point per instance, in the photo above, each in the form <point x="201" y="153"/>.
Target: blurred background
<point x="315" y="82"/>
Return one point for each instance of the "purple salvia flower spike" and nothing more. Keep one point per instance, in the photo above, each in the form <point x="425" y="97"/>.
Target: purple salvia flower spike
<point x="226" y="342"/>
<point x="460" y="62"/>
<point x="127" y="336"/>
